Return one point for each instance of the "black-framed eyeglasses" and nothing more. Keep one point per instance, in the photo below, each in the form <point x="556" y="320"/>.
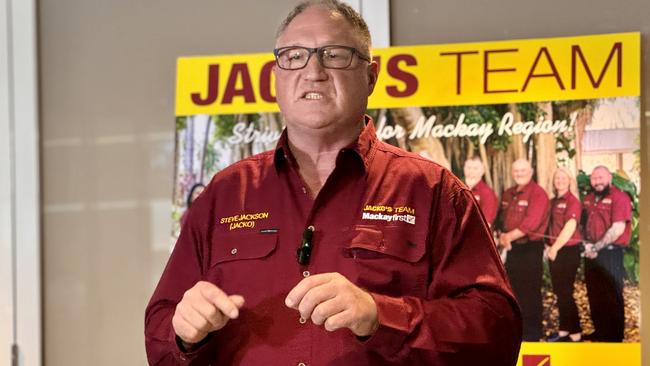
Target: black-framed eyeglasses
<point x="330" y="57"/>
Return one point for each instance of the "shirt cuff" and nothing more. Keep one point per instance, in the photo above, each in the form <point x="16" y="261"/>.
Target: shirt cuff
<point x="393" y="317"/>
<point x="185" y="357"/>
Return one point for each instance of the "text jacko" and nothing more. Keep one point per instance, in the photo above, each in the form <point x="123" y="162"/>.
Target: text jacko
<point x="240" y="83"/>
<point x="238" y="72"/>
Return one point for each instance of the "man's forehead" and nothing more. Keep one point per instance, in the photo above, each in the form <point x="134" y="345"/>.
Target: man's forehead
<point x="317" y="24"/>
<point x="521" y="164"/>
<point x="600" y="172"/>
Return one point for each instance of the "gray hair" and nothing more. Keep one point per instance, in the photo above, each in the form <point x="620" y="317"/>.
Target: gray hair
<point x="358" y="24"/>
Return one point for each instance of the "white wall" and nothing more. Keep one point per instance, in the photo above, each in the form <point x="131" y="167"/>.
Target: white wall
<point x="20" y="289"/>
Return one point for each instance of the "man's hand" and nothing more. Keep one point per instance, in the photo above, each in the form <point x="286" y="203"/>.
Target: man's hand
<point x="332" y="300"/>
<point x="204" y="309"/>
<point x="551" y="253"/>
<point x="505" y="241"/>
<point x="590" y="251"/>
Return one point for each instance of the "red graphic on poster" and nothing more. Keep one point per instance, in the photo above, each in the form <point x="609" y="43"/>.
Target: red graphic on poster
<point x="536" y="360"/>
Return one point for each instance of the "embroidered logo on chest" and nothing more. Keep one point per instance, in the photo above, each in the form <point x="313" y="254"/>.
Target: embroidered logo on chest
<point x="561" y="205"/>
<point x="522" y="203"/>
<point x="242" y="221"/>
<point x="389" y="213"/>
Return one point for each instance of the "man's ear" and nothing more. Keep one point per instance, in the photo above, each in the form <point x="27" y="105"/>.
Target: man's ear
<point x="373" y="74"/>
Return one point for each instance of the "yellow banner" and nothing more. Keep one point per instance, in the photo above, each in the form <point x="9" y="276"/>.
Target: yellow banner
<point x="575" y="354"/>
<point x="585" y="67"/>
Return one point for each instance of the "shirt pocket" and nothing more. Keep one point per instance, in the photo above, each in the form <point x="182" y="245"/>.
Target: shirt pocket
<point x="388" y="260"/>
<point x="236" y="258"/>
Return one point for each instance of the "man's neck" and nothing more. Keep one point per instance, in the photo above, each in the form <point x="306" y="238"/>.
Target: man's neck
<point x="602" y="194"/>
<point x="316" y="152"/>
<point x="520" y="187"/>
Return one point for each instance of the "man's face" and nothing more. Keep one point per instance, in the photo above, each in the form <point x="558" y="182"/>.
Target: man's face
<point x="600" y="179"/>
<point x="315" y="97"/>
<point x="473" y="170"/>
<point x="522" y="173"/>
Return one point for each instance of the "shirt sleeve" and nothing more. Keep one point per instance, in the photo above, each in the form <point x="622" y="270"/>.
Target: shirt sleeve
<point x="573" y="210"/>
<point x="536" y="214"/>
<point x="469" y="316"/>
<point x="622" y="208"/>
<point x="183" y="270"/>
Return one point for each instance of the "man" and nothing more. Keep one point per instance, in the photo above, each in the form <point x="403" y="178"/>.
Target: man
<point x="335" y="248"/>
<point x="522" y="222"/>
<point x="608" y="214"/>
<point x="474" y="170"/>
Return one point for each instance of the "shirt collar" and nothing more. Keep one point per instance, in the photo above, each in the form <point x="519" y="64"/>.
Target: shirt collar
<point x="525" y="188"/>
<point x="564" y="196"/>
<point x="360" y="149"/>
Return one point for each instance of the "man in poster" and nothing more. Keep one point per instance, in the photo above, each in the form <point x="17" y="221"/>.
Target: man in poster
<point x="522" y="222"/>
<point x="335" y="248"/>
<point x="608" y="214"/>
<point x="474" y="170"/>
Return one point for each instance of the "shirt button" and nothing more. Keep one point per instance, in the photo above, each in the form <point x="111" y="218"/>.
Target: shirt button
<point x="233" y="251"/>
<point x="302" y="320"/>
<point x="305" y="274"/>
<point x="304" y="190"/>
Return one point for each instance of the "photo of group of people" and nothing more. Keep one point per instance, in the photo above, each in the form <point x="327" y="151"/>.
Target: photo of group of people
<point x="558" y="183"/>
<point x="530" y="227"/>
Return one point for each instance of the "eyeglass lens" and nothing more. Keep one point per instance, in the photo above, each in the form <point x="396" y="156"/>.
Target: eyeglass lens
<point x="329" y="57"/>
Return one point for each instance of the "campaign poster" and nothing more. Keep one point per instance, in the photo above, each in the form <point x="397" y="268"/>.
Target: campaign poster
<point x="570" y="103"/>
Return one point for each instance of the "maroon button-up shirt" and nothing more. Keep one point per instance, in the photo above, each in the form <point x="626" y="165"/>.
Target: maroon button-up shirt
<point x="395" y="224"/>
<point x="525" y="209"/>
<point x="563" y="209"/>
<point x="601" y="214"/>
<point x="486" y="199"/>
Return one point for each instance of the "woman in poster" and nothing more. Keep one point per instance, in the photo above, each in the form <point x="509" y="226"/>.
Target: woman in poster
<point x="563" y="252"/>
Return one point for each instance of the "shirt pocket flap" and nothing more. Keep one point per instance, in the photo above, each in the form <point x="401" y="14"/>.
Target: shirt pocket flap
<point x="387" y="241"/>
<point x="242" y="246"/>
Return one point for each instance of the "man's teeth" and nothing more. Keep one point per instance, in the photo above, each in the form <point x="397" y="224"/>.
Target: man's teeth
<point x="313" y="96"/>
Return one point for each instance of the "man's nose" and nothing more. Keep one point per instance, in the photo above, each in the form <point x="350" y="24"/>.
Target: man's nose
<point x="314" y="70"/>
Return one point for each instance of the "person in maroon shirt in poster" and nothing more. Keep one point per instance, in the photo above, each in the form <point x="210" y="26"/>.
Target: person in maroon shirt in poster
<point x="335" y="248"/>
<point x="563" y="252"/>
<point x="522" y="223"/>
<point x="608" y="231"/>
<point x="474" y="170"/>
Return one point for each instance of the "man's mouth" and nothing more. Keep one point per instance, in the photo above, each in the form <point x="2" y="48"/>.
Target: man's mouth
<point x="313" y="96"/>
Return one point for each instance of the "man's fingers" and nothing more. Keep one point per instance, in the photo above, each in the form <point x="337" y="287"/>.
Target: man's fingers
<point x="314" y="297"/>
<point x="325" y="310"/>
<point x="185" y="330"/>
<point x="211" y="314"/>
<point x="221" y="301"/>
<point x="338" y="321"/>
<point x="194" y="319"/>
<point x="238" y="300"/>
<point x="298" y="292"/>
